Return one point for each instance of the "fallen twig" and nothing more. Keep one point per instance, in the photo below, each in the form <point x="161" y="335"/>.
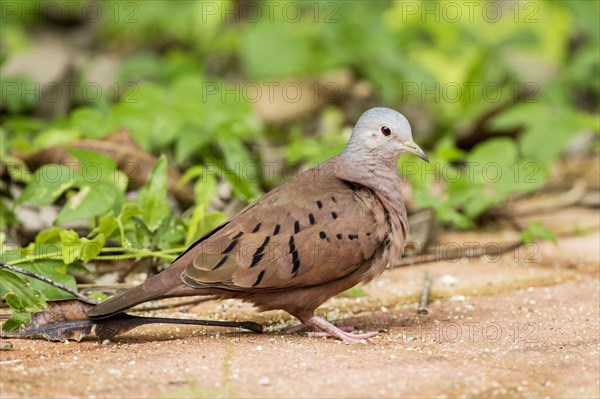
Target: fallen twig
<point x="422" y="308"/>
<point x="543" y="203"/>
<point x="46" y="280"/>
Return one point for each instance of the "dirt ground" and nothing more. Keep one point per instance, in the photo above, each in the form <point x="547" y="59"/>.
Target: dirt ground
<point x="524" y="324"/>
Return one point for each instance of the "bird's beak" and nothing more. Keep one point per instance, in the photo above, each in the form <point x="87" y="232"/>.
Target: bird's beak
<point x="415" y="149"/>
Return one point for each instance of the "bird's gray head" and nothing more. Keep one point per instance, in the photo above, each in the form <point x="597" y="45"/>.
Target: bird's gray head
<point x="383" y="133"/>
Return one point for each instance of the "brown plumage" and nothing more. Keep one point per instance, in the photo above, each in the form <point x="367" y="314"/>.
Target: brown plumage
<point x="330" y="228"/>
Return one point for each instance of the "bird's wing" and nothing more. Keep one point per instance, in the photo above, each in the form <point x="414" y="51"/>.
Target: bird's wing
<point x="309" y="231"/>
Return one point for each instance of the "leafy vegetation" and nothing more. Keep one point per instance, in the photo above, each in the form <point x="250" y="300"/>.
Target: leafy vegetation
<point x="495" y="99"/>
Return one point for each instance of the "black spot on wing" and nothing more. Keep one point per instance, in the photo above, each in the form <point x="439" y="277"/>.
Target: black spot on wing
<point x="352" y="236"/>
<point x="221" y="262"/>
<point x="296" y="227"/>
<point x="319" y="204"/>
<point x="259" y="252"/>
<point x="230" y="246"/>
<point x="256" y="228"/>
<point x="322" y="235"/>
<point x="311" y="218"/>
<point x="334" y="215"/>
<point x="259" y="278"/>
<point x="338" y="236"/>
<point x="333" y="199"/>
<point x="264" y="244"/>
<point x="295" y="257"/>
<point x="276" y="230"/>
<point x="256" y="258"/>
<point x="295" y="262"/>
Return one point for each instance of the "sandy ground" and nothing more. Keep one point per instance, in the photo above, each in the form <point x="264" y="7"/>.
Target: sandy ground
<point x="522" y="325"/>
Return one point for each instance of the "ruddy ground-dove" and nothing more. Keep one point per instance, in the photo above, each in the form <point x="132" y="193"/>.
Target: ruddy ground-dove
<point x="333" y="226"/>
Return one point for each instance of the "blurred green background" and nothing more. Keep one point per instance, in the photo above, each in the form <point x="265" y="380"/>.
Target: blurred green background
<point x="210" y="88"/>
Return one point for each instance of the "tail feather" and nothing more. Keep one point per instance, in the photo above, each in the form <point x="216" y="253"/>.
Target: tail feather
<point x="163" y="285"/>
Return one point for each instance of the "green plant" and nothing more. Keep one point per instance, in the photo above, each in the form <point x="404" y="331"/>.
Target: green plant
<point x="122" y="228"/>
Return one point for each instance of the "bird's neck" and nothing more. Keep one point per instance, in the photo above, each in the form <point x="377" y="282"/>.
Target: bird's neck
<point x="377" y="172"/>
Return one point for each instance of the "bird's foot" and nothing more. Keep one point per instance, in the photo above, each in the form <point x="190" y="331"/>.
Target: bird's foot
<point x="296" y="329"/>
<point x="315" y="331"/>
<point x="323" y="328"/>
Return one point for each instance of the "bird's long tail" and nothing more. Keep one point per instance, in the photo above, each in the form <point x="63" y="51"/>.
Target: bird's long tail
<point x="163" y="285"/>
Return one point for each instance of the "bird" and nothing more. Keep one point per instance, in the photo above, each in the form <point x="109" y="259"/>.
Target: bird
<point x="331" y="227"/>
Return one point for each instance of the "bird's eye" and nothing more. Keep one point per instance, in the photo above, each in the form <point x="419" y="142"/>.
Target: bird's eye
<point x="385" y="130"/>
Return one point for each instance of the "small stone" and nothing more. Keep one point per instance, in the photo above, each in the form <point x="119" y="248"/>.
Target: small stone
<point x="264" y="381"/>
<point x="6" y="346"/>
<point x="448" y="280"/>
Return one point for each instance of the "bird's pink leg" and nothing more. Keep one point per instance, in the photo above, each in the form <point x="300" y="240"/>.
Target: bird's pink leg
<point x="296" y="329"/>
<point x="315" y="330"/>
<point x="326" y="328"/>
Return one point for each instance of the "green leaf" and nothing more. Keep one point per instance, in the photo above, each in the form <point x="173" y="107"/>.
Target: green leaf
<point x="91" y="248"/>
<point x="55" y="271"/>
<point x="191" y="139"/>
<point x="54" y="136"/>
<point x="563" y="124"/>
<point x="47" y="184"/>
<point x="128" y="211"/>
<point x="91" y="200"/>
<point x="242" y="173"/>
<point x="25" y="295"/>
<point x="13" y="93"/>
<point x="537" y="231"/>
<point x="16" y="320"/>
<point x="89" y="122"/>
<point x="70" y="246"/>
<point x="99" y="296"/>
<point x="94" y="166"/>
<point x="284" y="44"/>
<point x="205" y="189"/>
<point x="152" y="198"/>
<point x="169" y="234"/>
<point x="19" y="286"/>
<point x="79" y="267"/>
<point x="49" y="236"/>
<point x="21" y="297"/>
<point x="499" y="150"/>
<point x="317" y="149"/>
<point x="106" y="225"/>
